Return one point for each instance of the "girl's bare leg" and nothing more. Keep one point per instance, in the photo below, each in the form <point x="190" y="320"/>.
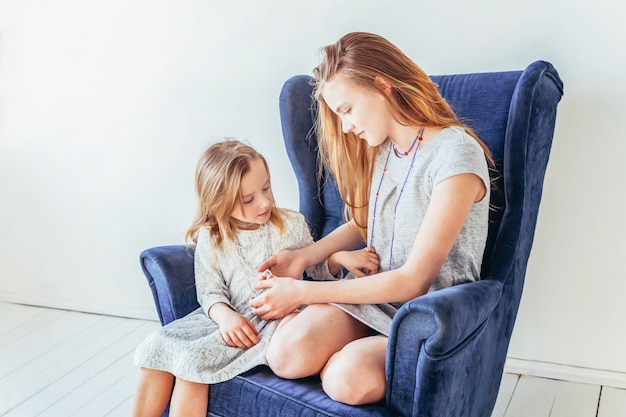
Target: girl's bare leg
<point x="356" y="374"/>
<point x="301" y="346"/>
<point x="154" y="389"/>
<point x="189" y="399"/>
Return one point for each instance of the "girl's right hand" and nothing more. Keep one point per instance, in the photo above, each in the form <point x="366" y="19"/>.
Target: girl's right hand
<point x="287" y="263"/>
<point x="236" y="330"/>
<point x="360" y="262"/>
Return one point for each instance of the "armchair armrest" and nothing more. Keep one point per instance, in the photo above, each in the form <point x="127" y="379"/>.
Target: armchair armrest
<point x="170" y="274"/>
<point x="431" y="327"/>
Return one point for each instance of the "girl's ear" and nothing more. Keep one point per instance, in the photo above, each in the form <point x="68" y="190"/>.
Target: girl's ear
<point x="383" y="84"/>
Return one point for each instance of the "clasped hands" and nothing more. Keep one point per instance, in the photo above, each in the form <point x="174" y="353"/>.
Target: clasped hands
<point x="277" y="273"/>
<point x="287" y="293"/>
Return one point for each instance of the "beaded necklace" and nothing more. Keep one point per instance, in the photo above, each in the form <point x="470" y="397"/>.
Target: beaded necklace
<point x="418" y="140"/>
<point x="401" y="154"/>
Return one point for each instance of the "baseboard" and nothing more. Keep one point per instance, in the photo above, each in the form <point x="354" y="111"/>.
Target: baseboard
<point x="565" y="372"/>
<point x="77" y="305"/>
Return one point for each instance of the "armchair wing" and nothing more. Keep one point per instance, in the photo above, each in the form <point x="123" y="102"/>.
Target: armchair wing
<point x="439" y="350"/>
<point x="170" y="275"/>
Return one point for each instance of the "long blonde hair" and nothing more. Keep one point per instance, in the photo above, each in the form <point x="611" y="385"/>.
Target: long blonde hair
<point x="218" y="187"/>
<point x="362" y="58"/>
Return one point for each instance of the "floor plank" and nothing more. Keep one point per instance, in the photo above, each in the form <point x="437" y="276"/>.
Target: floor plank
<point x="540" y="397"/>
<point x="43" y="339"/>
<point x="35" y="323"/>
<point x="122" y="410"/>
<point x="26" y="385"/>
<point x="116" y="399"/>
<point x="85" y="372"/>
<point x="52" y="376"/>
<point x="88" y="341"/>
<point x="87" y="393"/>
<point x="507" y="387"/>
<point x="612" y="402"/>
<point x="575" y="399"/>
<point x="13" y="316"/>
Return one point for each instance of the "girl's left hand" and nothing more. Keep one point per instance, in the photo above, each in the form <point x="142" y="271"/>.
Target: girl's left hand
<point x="282" y="296"/>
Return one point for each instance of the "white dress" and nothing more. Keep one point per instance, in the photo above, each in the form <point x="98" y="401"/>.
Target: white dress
<point x="192" y="347"/>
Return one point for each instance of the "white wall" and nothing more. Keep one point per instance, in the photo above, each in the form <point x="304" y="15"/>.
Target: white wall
<point x="106" y="105"/>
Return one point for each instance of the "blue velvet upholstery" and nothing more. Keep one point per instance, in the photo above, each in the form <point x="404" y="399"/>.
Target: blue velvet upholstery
<point x="446" y="349"/>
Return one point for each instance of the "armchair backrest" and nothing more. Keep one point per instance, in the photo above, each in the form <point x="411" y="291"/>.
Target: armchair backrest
<point x="513" y="112"/>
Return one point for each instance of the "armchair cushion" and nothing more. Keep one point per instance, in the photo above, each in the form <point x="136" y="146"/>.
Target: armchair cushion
<point x="259" y="392"/>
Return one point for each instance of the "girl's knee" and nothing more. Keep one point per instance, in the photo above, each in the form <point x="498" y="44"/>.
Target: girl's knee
<point x="353" y="385"/>
<point x="192" y="387"/>
<point x="293" y="350"/>
<point x="189" y="399"/>
<point x="356" y="375"/>
<point x="285" y="356"/>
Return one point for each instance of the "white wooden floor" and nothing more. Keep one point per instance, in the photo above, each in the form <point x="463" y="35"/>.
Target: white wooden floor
<point x="58" y="363"/>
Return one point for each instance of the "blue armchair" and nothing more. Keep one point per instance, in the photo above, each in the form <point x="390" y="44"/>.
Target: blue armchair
<point x="446" y="349"/>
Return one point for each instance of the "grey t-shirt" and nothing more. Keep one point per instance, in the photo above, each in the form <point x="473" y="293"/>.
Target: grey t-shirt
<point x="451" y="152"/>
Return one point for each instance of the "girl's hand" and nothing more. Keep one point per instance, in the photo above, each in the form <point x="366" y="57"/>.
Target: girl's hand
<point x="287" y="263"/>
<point x="282" y="296"/>
<point x="360" y="262"/>
<point x="236" y="330"/>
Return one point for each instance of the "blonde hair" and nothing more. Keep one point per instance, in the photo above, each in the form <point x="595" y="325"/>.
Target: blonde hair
<point x="361" y="58"/>
<point x="218" y="187"/>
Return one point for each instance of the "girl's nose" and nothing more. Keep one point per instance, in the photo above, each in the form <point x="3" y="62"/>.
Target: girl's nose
<point x="347" y="126"/>
<point x="267" y="203"/>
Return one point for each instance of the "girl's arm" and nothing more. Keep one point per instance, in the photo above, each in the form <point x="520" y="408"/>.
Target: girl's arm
<point x="210" y="285"/>
<point x="292" y="263"/>
<point x="214" y="296"/>
<point x="450" y="204"/>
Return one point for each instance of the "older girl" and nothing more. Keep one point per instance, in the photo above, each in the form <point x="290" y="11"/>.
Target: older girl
<point x="415" y="183"/>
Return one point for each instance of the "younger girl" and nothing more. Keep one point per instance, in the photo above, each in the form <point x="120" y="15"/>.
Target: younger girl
<point x="236" y="228"/>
